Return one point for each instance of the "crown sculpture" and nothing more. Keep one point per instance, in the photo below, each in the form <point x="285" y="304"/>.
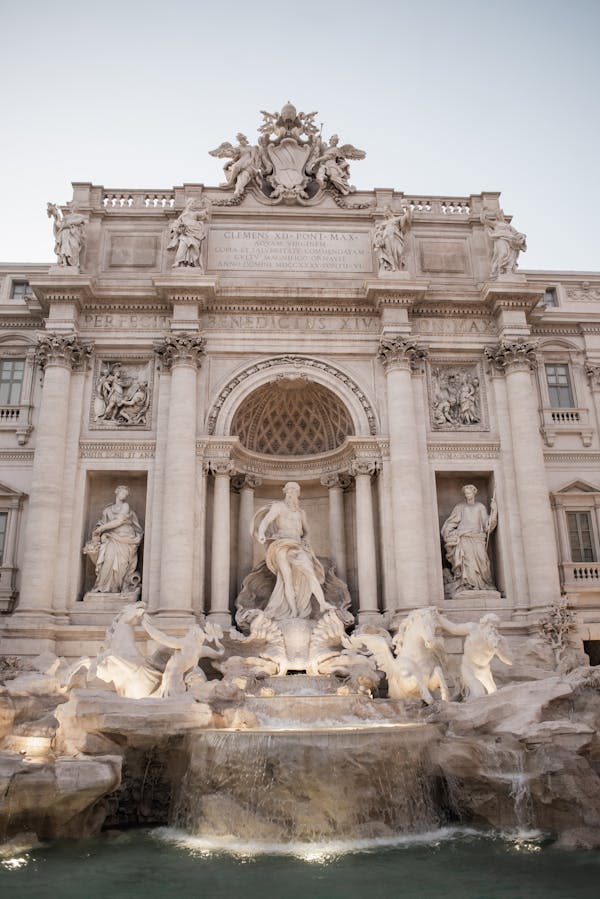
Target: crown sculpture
<point x="290" y="163"/>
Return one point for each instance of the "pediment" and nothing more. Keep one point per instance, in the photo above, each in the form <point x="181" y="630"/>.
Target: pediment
<point x="578" y="487"/>
<point x="9" y="493"/>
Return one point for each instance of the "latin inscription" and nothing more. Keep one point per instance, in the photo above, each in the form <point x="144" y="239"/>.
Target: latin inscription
<point x="296" y="251"/>
<point x="137" y="321"/>
<point x="292" y="323"/>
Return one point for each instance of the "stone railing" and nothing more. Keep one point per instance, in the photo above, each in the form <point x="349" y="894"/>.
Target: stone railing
<point x="16" y="418"/>
<point x="566" y="421"/>
<point x="138" y="199"/>
<point x="444" y="206"/>
<point x="581" y="574"/>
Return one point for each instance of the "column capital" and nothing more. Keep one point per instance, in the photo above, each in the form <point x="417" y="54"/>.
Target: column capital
<point x="339" y="479"/>
<point x="66" y="350"/>
<point x="593" y="373"/>
<point x="364" y="467"/>
<point x="221" y="467"/>
<point x="180" y="349"/>
<point x="241" y="481"/>
<point x="513" y="355"/>
<point x="401" y="352"/>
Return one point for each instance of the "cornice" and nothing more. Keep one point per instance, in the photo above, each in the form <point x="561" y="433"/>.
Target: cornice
<point x="571" y="458"/>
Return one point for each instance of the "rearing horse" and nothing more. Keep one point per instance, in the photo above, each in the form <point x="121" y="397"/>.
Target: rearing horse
<point x="414" y="670"/>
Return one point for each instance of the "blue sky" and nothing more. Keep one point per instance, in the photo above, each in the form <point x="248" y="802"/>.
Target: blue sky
<point x="446" y="98"/>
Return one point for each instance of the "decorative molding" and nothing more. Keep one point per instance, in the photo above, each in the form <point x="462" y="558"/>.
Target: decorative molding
<point x="593" y="373"/>
<point x="117" y="449"/>
<point x="298" y="362"/>
<point x="66" y="350"/>
<point x="463" y="450"/>
<point x="572" y="458"/>
<point x="16" y="456"/>
<point x="583" y="294"/>
<point x="180" y="349"/>
<point x="368" y="467"/>
<point x="401" y="352"/>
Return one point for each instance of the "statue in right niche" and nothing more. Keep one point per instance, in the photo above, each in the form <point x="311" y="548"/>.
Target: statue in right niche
<point x="466" y="533"/>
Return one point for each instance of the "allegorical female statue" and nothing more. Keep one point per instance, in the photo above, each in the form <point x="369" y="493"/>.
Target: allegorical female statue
<point x="113" y="547"/>
<point x="188" y="232"/>
<point x="69" y="235"/>
<point x="466" y="534"/>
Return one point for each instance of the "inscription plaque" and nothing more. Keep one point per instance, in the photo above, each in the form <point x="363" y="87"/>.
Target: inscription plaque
<point x="290" y="251"/>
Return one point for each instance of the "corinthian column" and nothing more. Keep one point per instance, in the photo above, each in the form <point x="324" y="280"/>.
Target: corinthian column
<point x="516" y="359"/>
<point x="337" y="543"/>
<point x="400" y="356"/>
<point x="368" y="609"/>
<point x="181" y="355"/>
<point x="57" y="355"/>
<point x="246" y="484"/>
<point x="221" y="544"/>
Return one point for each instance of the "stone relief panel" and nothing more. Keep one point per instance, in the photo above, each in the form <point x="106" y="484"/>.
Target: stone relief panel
<point x="444" y="256"/>
<point x="122" y="393"/>
<point x="456" y="396"/>
<point x="132" y="251"/>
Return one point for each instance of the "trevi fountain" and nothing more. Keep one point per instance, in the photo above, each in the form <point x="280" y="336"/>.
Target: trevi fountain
<point x="299" y="516"/>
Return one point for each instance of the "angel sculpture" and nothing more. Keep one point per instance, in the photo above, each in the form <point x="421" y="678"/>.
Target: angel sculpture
<point x="330" y="164"/>
<point x="244" y="164"/>
<point x="414" y="670"/>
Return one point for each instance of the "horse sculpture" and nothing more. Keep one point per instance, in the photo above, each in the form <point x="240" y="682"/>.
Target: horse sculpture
<point x="414" y="670"/>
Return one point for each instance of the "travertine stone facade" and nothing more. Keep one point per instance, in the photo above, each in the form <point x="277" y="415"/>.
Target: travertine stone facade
<point x="202" y="346"/>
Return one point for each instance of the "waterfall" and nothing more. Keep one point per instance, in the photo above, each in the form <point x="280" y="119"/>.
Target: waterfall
<point x="307" y="786"/>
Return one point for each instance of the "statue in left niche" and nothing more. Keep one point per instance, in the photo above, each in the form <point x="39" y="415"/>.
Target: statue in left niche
<point x="113" y="548"/>
<point x="188" y="233"/>
<point x="69" y="235"/>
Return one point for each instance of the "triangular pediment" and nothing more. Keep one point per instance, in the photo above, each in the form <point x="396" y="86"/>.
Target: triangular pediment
<point x="7" y="492"/>
<point x="578" y="487"/>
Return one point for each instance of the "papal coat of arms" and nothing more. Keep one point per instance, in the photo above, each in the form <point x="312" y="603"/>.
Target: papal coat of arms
<point x="291" y="162"/>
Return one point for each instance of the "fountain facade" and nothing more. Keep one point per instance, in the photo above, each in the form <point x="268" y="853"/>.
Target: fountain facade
<point x="309" y="463"/>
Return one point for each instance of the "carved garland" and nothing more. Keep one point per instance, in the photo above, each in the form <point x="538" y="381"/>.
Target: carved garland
<point x="296" y="361"/>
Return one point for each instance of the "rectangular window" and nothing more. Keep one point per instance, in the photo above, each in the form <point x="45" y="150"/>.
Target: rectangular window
<point x="581" y="537"/>
<point x="20" y="289"/>
<point x="549" y="299"/>
<point x="3" y="520"/>
<point x="11" y="381"/>
<point x="559" y="386"/>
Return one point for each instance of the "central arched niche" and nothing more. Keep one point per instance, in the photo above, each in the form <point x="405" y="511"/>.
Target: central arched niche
<point x="292" y="416"/>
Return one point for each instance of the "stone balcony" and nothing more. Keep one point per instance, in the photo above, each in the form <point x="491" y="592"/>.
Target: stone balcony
<point x="17" y="418"/>
<point x="557" y="421"/>
<point x="580" y="575"/>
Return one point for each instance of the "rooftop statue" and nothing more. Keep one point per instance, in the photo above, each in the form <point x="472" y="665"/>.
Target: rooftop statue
<point x="188" y="232"/>
<point x="389" y="240"/>
<point x="290" y="162"/>
<point x="507" y="242"/>
<point x="69" y="235"/>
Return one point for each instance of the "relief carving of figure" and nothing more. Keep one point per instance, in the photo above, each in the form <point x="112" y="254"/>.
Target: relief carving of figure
<point x="389" y="240"/>
<point x="507" y="242"/>
<point x="113" y="547"/>
<point x="120" y="397"/>
<point x="456" y="398"/>
<point x="483" y="642"/>
<point x="188" y="232"/>
<point x="300" y="575"/>
<point x="466" y="534"/>
<point x="69" y="235"/>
